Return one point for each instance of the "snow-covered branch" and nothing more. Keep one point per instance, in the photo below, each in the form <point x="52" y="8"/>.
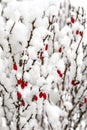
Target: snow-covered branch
<point x="43" y="66"/>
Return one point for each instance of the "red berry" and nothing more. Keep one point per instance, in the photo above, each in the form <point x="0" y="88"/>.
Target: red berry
<point x="19" y="95"/>
<point x="23" y="103"/>
<point x="60" y="50"/>
<point x="26" y="83"/>
<point x="44" y="96"/>
<point x="46" y="47"/>
<point x="74" y="83"/>
<point x="23" y="85"/>
<point x="80" y="105"/>
<point x="77" y="32"/>
<point x="72" y="20"/>
<point x="81" y="34"/>
<point x="41" y="55"/>
<point x="15" y="67"/>
<point x="59" y="73"/>
<point x="85" y="100"/>
<point x="35" y="98"/>
<point x="19" y="81"/>
<point x="40" y="94"/>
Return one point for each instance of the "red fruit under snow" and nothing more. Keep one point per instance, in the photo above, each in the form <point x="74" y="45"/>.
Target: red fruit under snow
<point x="74" y="83"/>
<point x="26" y="83"/>
<point x="60" y="50"/>
<point x="80" y="105"/>
<point x="81" y="34"/>
<point x="23" y="85"/>
<point x="44" y="96"/>
<point x="15" y="67"/>
<point x="59" y="73"/>
<point x="46" y="47"/>
<point x="35" y="98"/>
<point x="23" y="103"/>
<point x="77" y="32"/>
<point x="19" y="95"/>
<point x="72" y="20"/>
<point x="85" y="100"/>
<point x="41" y="55"/>
<point x="19" y="81"/>
<point x="40" y="94"/>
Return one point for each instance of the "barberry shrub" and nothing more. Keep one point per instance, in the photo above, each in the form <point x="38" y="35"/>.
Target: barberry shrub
<point x="43" y="66"/>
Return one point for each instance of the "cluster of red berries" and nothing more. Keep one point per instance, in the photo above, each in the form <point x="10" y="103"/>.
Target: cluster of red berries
<point x="19" y="81"/>
<point x="19" y="96"/>
<point x="77" y="31"/>
<point x="74" y="82"/>
<point x="59" y="73"/>
<point x="41" y="95"/>
<point x="81" y="104"/>
<point x="41" y="53"/>
<point x="46" y="48"/>
<point x="22" y="83"/>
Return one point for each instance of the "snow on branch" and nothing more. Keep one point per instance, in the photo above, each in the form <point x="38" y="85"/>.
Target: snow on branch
<point x="43" y="65"/>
